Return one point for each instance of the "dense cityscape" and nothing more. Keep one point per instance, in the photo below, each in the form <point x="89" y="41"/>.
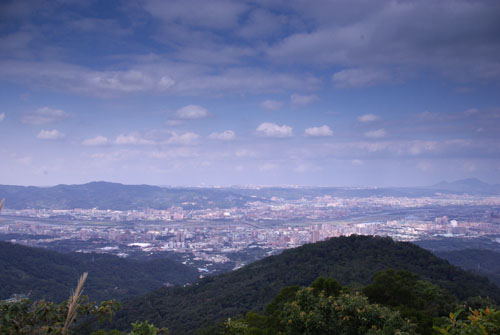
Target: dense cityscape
<point x="215" y="238"/>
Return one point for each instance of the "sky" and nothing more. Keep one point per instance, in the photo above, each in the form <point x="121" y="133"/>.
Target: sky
<point x="219" y="92"/>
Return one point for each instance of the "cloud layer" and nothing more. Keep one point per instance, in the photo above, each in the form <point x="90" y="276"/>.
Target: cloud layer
<point x="250" y="92"/>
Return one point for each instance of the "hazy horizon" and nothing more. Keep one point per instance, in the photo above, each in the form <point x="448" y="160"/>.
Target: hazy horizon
<point x="256" y="185"/>
<point x="190" y="93"/>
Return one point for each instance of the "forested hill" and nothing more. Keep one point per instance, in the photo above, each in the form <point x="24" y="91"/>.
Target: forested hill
<point x="482" y="261"/>
<point x="104" y="195"/>
<point x="350" y="260"/>
<point x="52" y="276"/>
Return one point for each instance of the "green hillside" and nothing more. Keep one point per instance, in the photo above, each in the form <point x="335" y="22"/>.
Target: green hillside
<point x="350" y="260"/>
<point x="481" y="261"/>
<point x="50" y="275"/>
<point x="117" y="196"/>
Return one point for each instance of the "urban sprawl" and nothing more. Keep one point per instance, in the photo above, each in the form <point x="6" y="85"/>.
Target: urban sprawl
<point x="213" y="236"/>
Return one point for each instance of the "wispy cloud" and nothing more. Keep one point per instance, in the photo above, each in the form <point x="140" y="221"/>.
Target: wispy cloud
<point x="174" y="123"/>
<point x="44" y="115"/>
<point x="96" y="141"/>
<point x="379" y="133"/>
<point x="298" y="100"/>
<point x="368" y="118"/>
<point x="272" y="104"/>
<point x="161" y="77"/>
<point x="269" y="129"/>
<point x="50" y="135"/>
<point x="191" y="112"/>
<point x="187" y="138"/>
<point x="2" y="117"/>
<point x="321" y="131"/>
<point x="361" y="77"/>
<point x="132" y="139"/>
<point x="226" y="135"/>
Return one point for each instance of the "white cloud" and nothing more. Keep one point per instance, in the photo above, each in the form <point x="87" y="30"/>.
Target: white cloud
<point x="50" y="135"/>
<point x="298" y="100"/>
<point x="269" y="129"/>
<point x="271" y="105"/>
<point x="165" y="83"/>
<point x="96" y="141"/>
<point x="226" y="135"/>
<point x="153" y="75"/>
<point x="128" y="81"/>
<point x="379" y="133"/>
<point x="183" y="139"/>
<point x="132" y="139"/>
<point x="2" y="117"/>
<point x="44" y="115"/>
<point x="191" y="112"/>
<point x="360" y="77"/>
<point x="368" y="118"/>
<point x="318" y="131"/>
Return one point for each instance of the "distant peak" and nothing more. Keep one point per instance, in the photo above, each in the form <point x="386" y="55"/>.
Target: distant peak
<point x="466" y="181"/>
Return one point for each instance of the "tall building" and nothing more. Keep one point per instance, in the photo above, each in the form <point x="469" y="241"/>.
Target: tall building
<point x="315" y="236"/>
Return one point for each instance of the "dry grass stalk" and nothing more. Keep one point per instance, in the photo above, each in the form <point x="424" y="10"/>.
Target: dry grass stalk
<point x="73" y="302"/>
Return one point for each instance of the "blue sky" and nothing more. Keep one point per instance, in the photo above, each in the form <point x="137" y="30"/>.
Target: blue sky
<point x="194" y="92"/>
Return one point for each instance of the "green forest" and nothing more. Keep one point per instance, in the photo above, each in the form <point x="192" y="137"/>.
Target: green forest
<point x="397" y="302"/>
<point x="355" y="284"/>
<point x="352" y="261"/>
<point x="49" y="275"/>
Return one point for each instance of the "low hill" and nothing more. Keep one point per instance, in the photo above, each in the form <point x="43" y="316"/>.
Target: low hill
<point x="481" y="261"/>
<point x="50" y="275"/>
<point x="104" y="195"/>
<point x="469" y="186"/>
<point x="350" y="260"/>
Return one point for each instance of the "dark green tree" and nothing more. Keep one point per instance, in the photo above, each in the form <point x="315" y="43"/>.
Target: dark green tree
<point x="419" y="300"/>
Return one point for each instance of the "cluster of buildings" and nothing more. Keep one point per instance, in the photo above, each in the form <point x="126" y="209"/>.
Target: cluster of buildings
<point x="318" y="208"/>
<point x="214" y="235"/>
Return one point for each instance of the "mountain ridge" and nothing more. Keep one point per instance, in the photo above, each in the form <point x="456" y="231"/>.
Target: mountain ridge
<point x="350" y="260"/>
<point x="116" y="196"/>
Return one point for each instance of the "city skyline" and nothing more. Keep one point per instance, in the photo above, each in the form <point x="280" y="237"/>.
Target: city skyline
<point x="190" y="93"/>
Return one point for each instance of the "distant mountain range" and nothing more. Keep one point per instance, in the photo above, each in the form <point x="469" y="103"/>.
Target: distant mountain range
<point x="104" y="195"/>
<point x="51" y="275"/>
<point x="351" y="260"/>
<point x="471" y="186"/>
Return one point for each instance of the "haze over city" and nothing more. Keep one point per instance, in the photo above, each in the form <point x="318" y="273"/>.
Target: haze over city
<point x="344" y="93"/>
